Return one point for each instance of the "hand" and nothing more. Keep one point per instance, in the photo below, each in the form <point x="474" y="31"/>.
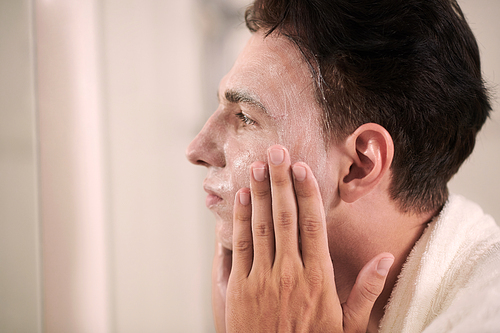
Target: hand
<point x="282" y="277"/>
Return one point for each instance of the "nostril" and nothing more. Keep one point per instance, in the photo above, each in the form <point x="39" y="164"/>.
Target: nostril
<point x="202" y="163"/>
<point x="205" y="151"/>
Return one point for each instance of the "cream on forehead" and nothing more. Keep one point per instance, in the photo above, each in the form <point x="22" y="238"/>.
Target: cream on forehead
<point x="273" y="71"/>
<point x="278" y="74"/>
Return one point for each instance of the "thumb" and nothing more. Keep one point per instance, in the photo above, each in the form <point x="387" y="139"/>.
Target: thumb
<point x="368" y="287"/>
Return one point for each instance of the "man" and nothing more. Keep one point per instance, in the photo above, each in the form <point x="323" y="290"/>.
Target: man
<point x="328" y="158"/>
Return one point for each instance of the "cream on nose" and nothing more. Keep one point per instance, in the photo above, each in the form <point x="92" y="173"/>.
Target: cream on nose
<point x="206" y="148"/>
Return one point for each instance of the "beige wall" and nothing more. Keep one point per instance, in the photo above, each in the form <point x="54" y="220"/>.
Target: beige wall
<point x="19" y="239"/>
<point x="159" y="235"/>
<point x="479" y="179"/>
<point x="120" y="89"/>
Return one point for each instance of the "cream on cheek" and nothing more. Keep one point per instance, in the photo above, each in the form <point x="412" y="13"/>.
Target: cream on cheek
<point x="300" y="130"/>
<point x="297" y="117"/>
<point x="243" y="152"/>
<point x="240" y="154"/>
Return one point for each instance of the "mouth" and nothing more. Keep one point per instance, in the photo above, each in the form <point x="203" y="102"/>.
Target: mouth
<point x="212" y="197"/>
<point x="212" y="200"/>
<point x="218" y="204"/>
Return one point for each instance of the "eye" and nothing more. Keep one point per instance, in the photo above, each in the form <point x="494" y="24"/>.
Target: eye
<point x="245" y="119"/>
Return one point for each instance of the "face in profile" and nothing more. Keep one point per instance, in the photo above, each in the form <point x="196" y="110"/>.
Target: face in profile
<point x="267" y="98"/>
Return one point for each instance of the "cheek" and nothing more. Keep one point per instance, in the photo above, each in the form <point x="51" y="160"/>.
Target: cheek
<point x="242" y="156"/>
<point x="303" y="137"/>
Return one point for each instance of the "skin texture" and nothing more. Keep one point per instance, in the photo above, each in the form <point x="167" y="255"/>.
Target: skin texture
<point x="230" y="146"/>
<point x="349" y="227"/>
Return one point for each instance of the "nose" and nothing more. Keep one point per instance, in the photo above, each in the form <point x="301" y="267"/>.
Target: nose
<point x="206" y="149"/>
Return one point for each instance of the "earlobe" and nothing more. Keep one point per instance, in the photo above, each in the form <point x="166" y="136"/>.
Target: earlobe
<point x="370" y="151"/>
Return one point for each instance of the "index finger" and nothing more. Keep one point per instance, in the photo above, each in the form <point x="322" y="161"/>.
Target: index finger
<point x="284" y="206"/>
<point x="312" y="222"/>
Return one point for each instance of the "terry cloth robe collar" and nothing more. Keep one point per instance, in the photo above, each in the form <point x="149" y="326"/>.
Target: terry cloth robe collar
<point x="451" y="279"/>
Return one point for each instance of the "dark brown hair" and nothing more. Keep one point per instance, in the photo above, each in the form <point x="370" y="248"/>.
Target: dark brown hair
<point x="411" y="66"/>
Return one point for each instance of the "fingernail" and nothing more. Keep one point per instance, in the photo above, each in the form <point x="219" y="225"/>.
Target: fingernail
<point x="244" y="198"/>
<point x="277" y="155"/>
<point x="384" y="265"/>
<point x="259" y="174"/>
<point x="299" y="172"/>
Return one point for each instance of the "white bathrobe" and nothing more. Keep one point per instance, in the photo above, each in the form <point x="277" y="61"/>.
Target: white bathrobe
<point x="451" y="279"/>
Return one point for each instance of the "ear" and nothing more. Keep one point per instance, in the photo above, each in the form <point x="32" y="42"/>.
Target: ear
<point x="369" y="152"/>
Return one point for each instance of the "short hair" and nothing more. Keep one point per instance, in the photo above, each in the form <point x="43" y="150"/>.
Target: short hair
<point x="411" y="66"/>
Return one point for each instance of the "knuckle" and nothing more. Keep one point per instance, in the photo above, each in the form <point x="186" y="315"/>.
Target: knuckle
<point x="311" y="225"/>
<point x="315" y="278"/>
<point x="371" y="291"/>
<point x="261" y="193"/>
<point x="243" y="217"/>
<point x="262" y="229"/>
<point x="242" y="245"/>
<point x="305" y="192"/>
<point x="284" y="218"/>
<point x="280" y="180"/>
<point x="287" y="282"/>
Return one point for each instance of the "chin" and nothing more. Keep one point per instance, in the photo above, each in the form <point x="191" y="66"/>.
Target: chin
<point x="224" y="232"/>
<point x="227" y="244"/>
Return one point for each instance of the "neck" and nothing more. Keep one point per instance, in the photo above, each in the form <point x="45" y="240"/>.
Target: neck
<point x="400" y="254"/>
<point x="386" y="231"/>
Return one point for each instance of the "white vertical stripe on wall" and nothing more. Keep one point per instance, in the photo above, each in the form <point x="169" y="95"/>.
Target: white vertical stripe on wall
<point x="75" y="295"/>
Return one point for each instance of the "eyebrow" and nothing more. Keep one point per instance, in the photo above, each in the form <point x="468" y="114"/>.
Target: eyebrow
<point x="242" y="96"/>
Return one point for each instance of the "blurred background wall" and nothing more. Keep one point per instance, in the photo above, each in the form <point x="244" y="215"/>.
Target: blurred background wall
<point x="102" y="220"/>
<point x="20" y="276"/>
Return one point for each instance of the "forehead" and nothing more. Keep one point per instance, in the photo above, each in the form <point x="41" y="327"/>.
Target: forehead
<point x="273" y="70"/>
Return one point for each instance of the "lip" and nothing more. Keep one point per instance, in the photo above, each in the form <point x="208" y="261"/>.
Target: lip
<point x="212" y="198"/>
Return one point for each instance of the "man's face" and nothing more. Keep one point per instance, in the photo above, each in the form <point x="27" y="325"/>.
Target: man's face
<point x="267" y="98"/>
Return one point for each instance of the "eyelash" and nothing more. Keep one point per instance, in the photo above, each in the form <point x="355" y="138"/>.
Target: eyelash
<point x="245" y="119"/>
